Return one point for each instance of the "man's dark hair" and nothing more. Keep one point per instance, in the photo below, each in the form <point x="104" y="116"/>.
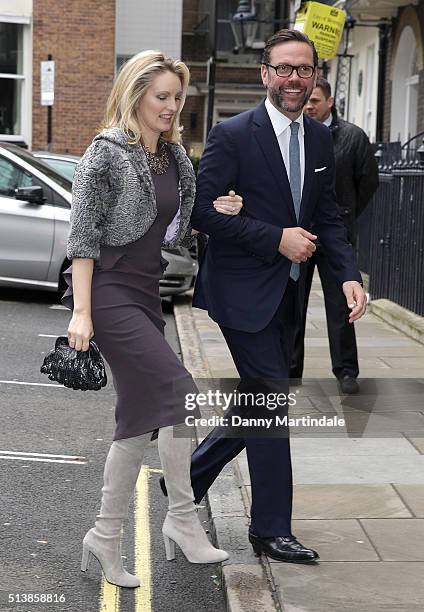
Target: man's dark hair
<point x="283" y="36"/>
<point x="325" y="86"/>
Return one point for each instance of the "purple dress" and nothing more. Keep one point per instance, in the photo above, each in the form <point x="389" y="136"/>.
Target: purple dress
<point x="149" y="379"/>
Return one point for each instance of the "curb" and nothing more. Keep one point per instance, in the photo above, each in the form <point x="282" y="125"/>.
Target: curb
<point x="246" y="579"/>
<point x="400" y="318"/>
<point x="397" y="316"/>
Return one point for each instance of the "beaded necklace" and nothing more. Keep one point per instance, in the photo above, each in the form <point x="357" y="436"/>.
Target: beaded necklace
<point x="159" y="161"/>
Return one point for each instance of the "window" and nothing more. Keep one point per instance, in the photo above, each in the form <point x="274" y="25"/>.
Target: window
<point x="43" y="167"/>
<point x="12" y="177"/>
<point x="11" y="77"/>
<point x="405" y="88"/>
<point x="63" y="166"/>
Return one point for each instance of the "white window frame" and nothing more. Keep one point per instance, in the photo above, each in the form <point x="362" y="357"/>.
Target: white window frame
<point x="404" y="88"/>
<point x="411" y="106"/>
<point x="26" y="76"/>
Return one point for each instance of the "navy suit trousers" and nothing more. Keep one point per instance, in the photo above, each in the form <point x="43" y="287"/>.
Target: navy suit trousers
<point x="261" y="356"/>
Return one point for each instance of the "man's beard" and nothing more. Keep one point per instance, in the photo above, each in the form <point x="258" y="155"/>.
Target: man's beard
<point x="290" y="107"/>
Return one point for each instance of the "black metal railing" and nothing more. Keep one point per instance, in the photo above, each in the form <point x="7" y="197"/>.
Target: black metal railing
<point x="390" y="244"/>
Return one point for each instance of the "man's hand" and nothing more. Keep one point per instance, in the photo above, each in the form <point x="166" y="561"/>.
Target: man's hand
<point x="296" y="244"/>
<point x="356" y="299"/>
<point x="230" y="204"/>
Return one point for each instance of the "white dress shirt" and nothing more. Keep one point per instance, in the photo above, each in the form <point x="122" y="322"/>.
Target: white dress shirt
<point x="329" y="120"/>
<point x="281" y="125"/>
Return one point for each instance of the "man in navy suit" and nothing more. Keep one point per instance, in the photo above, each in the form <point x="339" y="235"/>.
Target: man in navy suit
<point x="282" y="164"/>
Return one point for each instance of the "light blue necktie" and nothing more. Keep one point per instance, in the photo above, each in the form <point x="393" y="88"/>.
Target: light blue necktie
<point x="295" y="182"/>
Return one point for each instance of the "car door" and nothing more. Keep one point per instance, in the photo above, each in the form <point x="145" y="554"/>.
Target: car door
<point x="62" y="212"/>
<point x="26" y="229"/>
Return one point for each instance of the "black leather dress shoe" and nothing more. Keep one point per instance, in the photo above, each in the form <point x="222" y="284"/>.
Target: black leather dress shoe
<point x="163" y="486"/>
<point x="348" y="384"/>
<point x="282" y="548"/>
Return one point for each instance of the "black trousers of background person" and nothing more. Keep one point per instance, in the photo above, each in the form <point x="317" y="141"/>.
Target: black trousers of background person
<point x="259" y="356"/>
<point x="341" y="333"/>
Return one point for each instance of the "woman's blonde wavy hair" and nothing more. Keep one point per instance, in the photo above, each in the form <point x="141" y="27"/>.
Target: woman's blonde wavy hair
<point x="131" y="84"/>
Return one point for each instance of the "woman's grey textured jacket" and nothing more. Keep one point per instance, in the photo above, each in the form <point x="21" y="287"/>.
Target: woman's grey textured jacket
<point x="113" y="196"/>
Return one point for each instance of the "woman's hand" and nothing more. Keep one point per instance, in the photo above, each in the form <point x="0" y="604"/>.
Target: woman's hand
<point x="80" y="331"/>
<point x="230" y="204"/>
<point x="80" y="328"/>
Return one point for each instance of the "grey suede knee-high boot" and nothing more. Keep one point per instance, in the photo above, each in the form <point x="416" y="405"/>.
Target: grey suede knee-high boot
<point x="121" y="471"/>
<point x="182" y="525"/>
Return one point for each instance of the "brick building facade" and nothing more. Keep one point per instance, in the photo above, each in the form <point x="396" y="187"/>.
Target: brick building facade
<point x="89" y="39"/>
<point x="81" y="40"/>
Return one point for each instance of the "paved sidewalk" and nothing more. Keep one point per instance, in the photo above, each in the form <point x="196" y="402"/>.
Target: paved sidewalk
<point x="358" y="499"/>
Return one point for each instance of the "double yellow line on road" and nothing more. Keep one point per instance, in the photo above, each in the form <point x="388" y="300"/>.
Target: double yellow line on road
<point x="109" y="597"/>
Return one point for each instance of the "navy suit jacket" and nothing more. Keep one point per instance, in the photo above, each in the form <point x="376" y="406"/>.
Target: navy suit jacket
<point x="242" y="276"/>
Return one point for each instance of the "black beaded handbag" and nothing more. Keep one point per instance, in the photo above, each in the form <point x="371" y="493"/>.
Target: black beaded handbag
<point x="79" y="370"/>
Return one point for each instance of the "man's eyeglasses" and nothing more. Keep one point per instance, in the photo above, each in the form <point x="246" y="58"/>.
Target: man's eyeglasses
<point x="285" y="70"/>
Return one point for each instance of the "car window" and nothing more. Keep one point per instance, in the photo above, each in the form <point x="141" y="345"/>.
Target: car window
<point x="27" y="180"/>
<point x="42" y="166"/>
<point x="67" y="168"/>
<point x="12" y="177"/>
<point x="58" y="200"/>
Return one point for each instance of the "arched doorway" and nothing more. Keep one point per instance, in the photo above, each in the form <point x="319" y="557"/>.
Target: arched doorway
<point x="405" y="88"/>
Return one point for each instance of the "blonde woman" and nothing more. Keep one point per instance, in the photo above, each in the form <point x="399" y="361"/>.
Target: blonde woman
<point x="133" y="193"/>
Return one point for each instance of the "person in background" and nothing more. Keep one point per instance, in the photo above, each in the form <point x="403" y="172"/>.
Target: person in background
<point x="356" y="182"/>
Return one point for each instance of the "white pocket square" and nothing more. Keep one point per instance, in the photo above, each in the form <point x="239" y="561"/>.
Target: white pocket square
<point x="320" y="169"/>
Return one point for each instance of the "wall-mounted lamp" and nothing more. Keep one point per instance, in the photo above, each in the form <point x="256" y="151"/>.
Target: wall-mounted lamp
<point x="244" y="25"/>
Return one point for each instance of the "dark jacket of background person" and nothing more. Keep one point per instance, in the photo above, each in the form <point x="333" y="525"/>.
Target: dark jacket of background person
<point x="356" y="182"/>
<point x="356" y="170"/>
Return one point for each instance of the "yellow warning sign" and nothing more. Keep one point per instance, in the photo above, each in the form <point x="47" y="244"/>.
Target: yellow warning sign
<point x="323" y="24"/>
